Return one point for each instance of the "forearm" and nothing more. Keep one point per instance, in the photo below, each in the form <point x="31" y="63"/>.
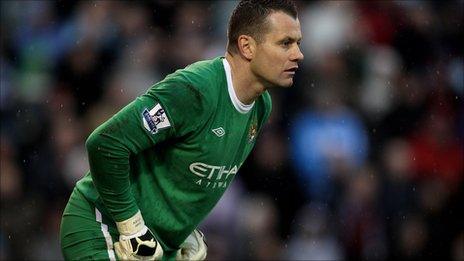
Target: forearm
<point x="109" y="167"/>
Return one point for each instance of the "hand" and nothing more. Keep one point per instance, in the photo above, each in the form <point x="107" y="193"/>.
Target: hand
<point x="193" y="248"/>
<point x="136" y="241"/>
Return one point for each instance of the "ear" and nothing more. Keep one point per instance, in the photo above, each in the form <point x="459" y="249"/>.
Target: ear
<point x="247" y="46"/>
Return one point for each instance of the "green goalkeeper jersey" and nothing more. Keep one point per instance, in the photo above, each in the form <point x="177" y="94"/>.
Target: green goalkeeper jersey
<point x="173" y="151"/>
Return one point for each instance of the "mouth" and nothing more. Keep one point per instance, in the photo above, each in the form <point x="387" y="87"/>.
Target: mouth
<point x="292" y="70"/>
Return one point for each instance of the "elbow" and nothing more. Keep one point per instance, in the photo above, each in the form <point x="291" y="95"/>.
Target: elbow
<point x="99" y="144"/>
<point x="93" y="143"/>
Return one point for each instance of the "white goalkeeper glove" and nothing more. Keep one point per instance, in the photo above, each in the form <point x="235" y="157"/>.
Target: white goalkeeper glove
<point x="136" y="241"/>
<point x="193" y="248"/>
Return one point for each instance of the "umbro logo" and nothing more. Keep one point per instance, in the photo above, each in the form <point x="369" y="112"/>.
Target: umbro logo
<point x="219" y="131"/>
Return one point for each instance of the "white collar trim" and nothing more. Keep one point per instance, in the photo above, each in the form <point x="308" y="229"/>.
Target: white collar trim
<point x="239" y="106"/>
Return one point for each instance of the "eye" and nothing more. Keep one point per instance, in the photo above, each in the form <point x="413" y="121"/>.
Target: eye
<point x="286" y="43"/>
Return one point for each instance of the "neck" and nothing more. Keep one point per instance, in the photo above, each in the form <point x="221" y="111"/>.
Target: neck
<point x="246" y="86"/>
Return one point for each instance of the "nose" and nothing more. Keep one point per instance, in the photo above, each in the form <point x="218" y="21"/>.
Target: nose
<point x="297" y="55"/>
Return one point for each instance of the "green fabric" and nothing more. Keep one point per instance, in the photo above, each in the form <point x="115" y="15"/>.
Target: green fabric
<point x="176" y="175"/>
<point x="81" y="234"/>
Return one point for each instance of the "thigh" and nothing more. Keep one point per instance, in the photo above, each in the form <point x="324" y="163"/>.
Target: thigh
<point x="84" y="233"/>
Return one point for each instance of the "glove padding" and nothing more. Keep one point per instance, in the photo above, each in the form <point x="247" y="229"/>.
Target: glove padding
<point x="136" y="241"/>
<point x="193" y="248"/>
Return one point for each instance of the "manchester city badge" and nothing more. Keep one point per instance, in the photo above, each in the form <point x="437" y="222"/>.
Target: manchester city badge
<point x="252" y="133"/>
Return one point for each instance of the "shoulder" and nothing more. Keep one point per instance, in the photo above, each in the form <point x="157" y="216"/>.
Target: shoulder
<point x="203" y="75"/>
<point x="264" y="104"/>
<point x="199" y="80"/>
<point x="266" y="99"/>
<point x="203" y="69"/>
<point x="190" y="93"/>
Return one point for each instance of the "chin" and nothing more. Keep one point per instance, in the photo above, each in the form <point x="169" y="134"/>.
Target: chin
<point x="282" y="83"/>
<point x="287" y="84"/>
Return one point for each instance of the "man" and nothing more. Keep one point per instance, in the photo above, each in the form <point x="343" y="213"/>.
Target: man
<point x="159" y="166"/>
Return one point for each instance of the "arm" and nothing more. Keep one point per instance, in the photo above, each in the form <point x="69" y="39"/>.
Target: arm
<point x="148" y="120"/>
<point x="109" y="148"/>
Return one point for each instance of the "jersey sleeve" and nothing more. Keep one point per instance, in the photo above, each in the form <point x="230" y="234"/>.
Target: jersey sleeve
<point x="169" y="109"/>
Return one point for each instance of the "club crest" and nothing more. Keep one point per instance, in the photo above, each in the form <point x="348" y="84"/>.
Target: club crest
<point x="252" y="132"/>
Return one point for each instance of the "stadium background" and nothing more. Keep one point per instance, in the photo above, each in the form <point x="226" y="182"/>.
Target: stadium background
<point x="362" y="157"/>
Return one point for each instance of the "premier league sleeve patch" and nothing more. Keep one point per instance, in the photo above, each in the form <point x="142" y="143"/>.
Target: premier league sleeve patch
<point x="155" y="119"/>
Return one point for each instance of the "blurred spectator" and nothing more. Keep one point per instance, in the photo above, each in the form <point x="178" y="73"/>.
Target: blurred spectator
<point x="257" y="223"/>
<point x="398" y="192"/>
<point x="270" y="172"/>
<point x="44" y="245"/>
<point x="82" y="72"/>
<point x="381" y="69"/>
<point x="224" y="219"/>
<point x="362" y="229"/>
<point x="437" y="152"/>
<point x="412" y="237"/>
<point x="414" y="39"/>
<point x="11" y="182"/>
<point x="327" y="143"/>
<point x="409" y="96"/>
<point x="329" y="28"/>
<point x="363" y="158"/>
<point x="313" y="238"/>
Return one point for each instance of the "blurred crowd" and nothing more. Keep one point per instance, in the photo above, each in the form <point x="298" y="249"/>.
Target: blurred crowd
<point x="361" y="159"/>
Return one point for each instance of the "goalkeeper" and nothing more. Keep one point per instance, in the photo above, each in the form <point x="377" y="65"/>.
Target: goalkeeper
<point x="160" y="165"/>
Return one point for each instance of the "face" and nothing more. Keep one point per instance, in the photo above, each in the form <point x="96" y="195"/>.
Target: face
<point x="276" y="58"/>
